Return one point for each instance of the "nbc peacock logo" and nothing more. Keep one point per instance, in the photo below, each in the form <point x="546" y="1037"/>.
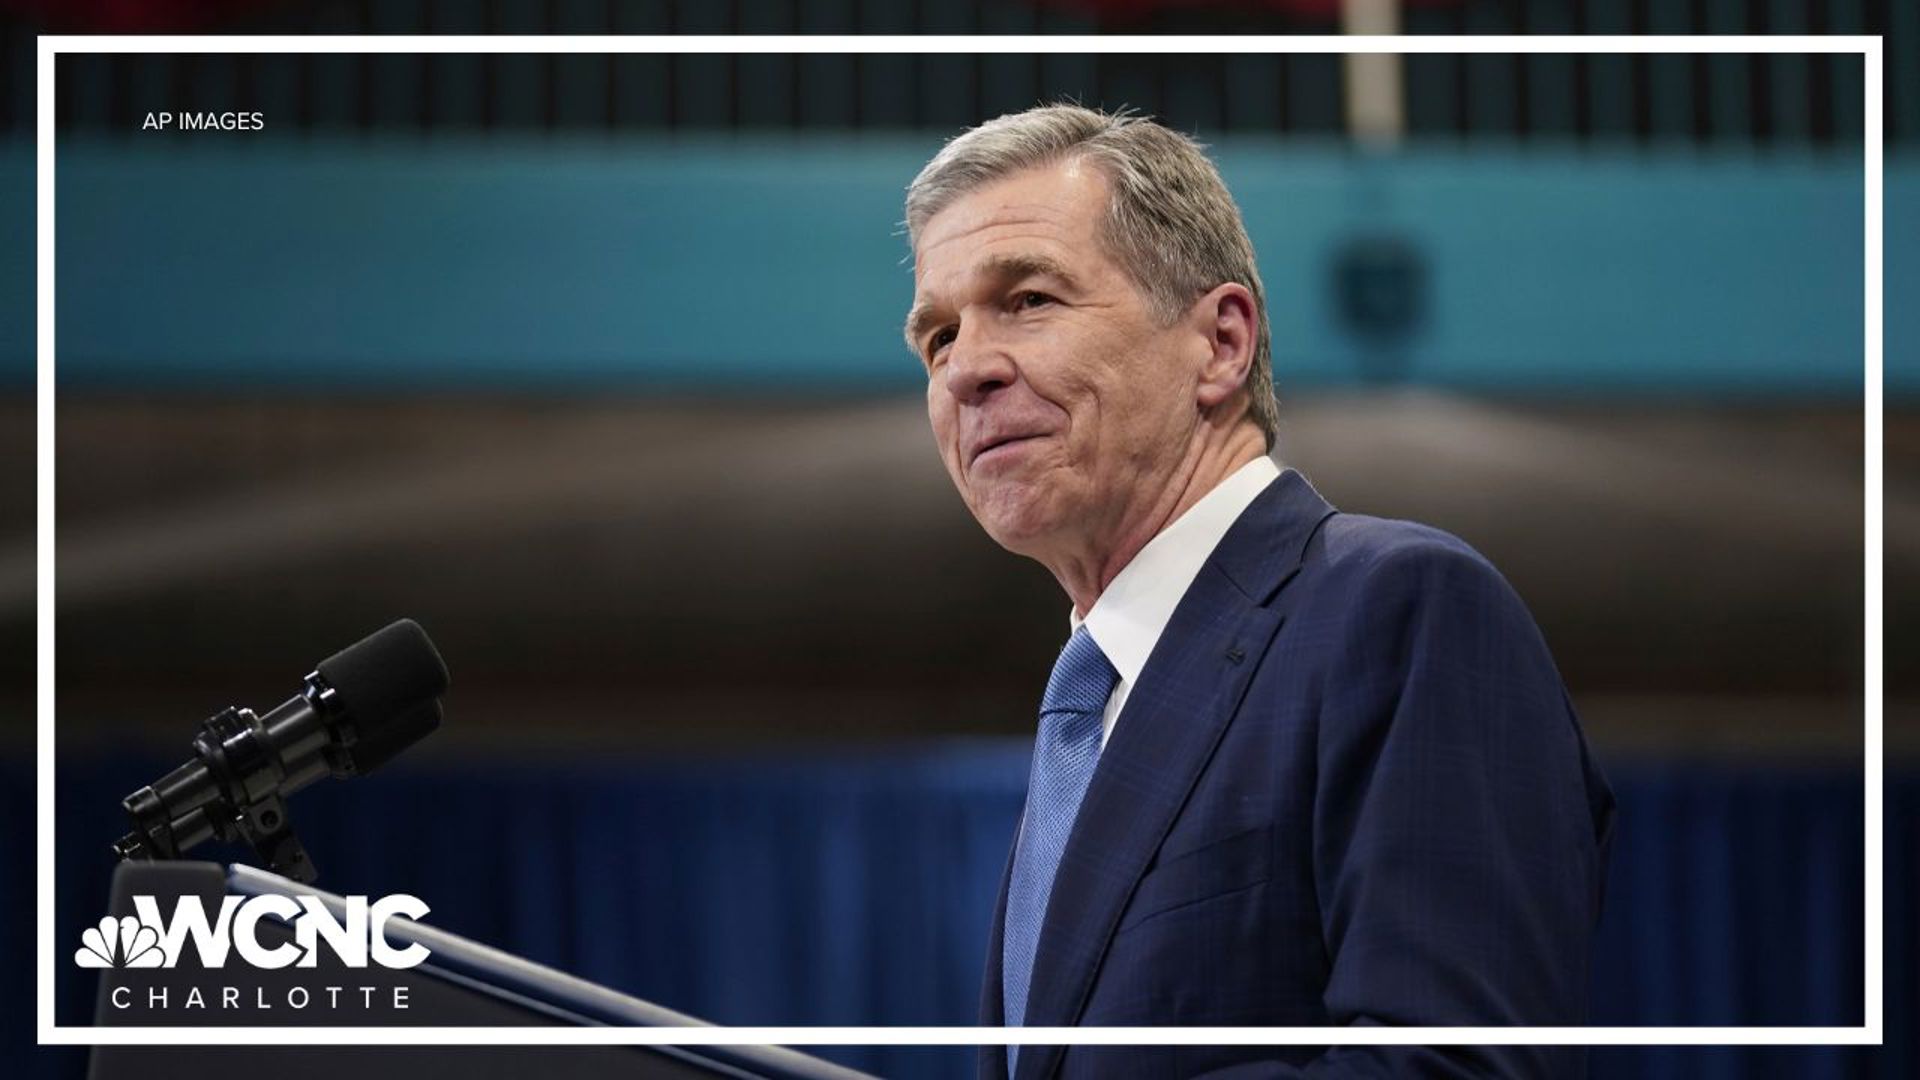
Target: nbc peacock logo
<point x="125" y="942"/>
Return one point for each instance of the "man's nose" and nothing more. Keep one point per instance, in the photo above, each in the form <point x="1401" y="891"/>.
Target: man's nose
<point x="977" y="366"/>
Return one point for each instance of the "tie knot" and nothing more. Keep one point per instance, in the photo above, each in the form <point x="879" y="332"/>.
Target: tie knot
<point x="1082" y="678"/>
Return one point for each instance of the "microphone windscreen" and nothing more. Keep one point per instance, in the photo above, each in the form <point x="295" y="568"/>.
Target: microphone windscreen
<point x="384" y="677"/>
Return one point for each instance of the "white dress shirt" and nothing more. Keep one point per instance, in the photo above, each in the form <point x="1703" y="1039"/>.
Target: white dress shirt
<point x="1127" y="620"/>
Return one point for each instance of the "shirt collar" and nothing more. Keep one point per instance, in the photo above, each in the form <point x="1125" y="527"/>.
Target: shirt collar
<point x="1135" y="607"/>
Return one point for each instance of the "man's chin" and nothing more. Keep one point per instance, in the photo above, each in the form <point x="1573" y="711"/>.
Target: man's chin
<point x="1021" y="528"/>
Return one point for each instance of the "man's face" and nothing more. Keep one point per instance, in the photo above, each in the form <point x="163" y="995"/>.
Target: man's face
<point x="1057" y="399"/>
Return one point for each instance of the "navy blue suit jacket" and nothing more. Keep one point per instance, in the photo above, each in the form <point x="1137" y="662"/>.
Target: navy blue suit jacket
<point x="1348" y="788"/>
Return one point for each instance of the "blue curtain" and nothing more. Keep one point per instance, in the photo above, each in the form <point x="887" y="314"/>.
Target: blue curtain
<point x="855" y="888"/>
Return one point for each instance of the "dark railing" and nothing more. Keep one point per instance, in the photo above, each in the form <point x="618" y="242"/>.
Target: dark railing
<point x="1719" y="99"/>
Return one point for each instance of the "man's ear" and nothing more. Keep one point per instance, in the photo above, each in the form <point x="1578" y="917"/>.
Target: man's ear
<point x="1231" y="323"/>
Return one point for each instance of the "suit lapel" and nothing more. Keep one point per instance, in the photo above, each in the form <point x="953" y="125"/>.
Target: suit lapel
<point x="1173" y="720"/>
<point x="993" y="1059"/>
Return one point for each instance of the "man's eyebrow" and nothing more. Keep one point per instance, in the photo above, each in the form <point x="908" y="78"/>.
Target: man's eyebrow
<point x="1014" y="267"/>
<point x="1001" y="270"/>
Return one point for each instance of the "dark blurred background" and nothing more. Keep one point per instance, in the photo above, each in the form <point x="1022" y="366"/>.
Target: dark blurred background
<point x="591" y="364"/>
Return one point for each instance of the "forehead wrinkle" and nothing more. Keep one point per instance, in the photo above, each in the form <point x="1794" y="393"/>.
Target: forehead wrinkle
<point x="1034" y="213"/>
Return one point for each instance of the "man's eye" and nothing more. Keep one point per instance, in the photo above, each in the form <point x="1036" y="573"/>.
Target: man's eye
<point x="1032" y="299"/>
<point x="940" y="340"/>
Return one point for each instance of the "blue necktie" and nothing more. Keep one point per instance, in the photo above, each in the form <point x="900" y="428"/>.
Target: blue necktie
<point x="1063" y="759"/>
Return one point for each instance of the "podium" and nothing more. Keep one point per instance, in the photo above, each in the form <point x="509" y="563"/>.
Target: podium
<point x="460" y="983"/>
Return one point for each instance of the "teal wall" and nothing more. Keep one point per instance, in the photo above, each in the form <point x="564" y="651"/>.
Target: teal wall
<point x="16" y="262"/>
<point x="771" y="263"/>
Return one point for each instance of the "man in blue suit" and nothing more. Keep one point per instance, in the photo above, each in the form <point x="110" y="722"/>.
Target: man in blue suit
<point x="1294" y="766"/>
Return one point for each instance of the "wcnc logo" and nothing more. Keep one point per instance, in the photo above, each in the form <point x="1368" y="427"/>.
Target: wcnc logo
<point x="150" y="941"/>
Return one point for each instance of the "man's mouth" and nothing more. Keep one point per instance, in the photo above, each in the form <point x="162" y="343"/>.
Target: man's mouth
<point x="992" y="446"/>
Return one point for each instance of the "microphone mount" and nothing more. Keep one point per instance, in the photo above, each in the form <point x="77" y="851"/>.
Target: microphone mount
<point x="243" y="804"/>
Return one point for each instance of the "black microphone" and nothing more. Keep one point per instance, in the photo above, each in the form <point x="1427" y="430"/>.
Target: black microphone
<point x="359" y="708"/>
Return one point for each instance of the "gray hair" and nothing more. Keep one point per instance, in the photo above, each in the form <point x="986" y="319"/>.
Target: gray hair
<point x="1171" y="224"/>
